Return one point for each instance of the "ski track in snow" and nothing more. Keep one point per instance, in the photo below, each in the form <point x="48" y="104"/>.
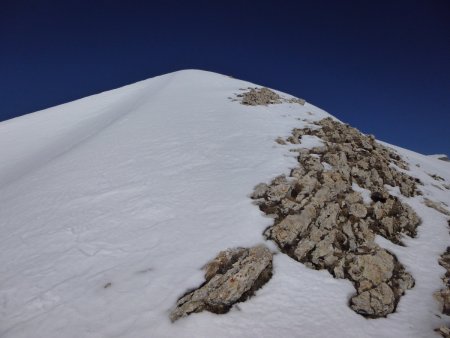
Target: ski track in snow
<point x="111" y="205"/>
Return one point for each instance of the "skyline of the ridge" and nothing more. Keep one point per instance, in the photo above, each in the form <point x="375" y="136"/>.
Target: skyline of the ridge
<point x="382" y="67"/>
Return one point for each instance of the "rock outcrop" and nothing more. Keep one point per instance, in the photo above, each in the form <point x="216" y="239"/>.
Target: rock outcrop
<point x="232" y="277"/>
<point x="321" y="221"/>
<point x="263" y="97"/>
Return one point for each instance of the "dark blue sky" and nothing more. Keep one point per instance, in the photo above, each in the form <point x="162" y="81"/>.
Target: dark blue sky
<point x="382" y="66"/>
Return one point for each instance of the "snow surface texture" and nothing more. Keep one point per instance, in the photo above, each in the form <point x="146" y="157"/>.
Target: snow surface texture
<point x="110" y="206"/>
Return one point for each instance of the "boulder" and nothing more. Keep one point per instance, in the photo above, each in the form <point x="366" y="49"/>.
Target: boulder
<point x="292" y="226"/>
<point x="374" y="268"/>
<point x="377" y="302"/>
<point x="233" y="276"/>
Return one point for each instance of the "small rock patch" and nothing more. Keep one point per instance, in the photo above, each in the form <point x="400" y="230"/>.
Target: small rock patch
<point x="444" y="331"/>
<point x="231" y="277"/>
<point x="436" y="206"/>
<point x="436" y="177"/>
<point x="263" y="97"/>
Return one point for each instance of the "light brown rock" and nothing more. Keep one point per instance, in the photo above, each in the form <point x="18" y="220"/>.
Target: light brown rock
<point x="252" y="269"/>
<point x="285" y="232"/>
<point x="375" y="268"/>
<point x="377" y="302"/>
<point x="338" y="233"/>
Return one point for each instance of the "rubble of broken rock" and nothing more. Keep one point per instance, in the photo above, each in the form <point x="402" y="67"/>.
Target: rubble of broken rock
<point x="232" y="277"/>
<point x="264" y="96"/>
<point x="322" y="222"/>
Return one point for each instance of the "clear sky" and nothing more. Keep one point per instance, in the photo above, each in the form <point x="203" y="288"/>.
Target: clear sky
<point x="382" y="66"/>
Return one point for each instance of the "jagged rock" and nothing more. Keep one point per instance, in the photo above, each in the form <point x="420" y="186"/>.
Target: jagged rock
<point x="324" y="254"/>
<point x="260" y="190"/>
<point x="264" y="96"/>
<point x="323" y="223"/>
<point x="444" y="261"/>
<point x="339" y="269"/>
<point x="260" y="96"/>
<point x="296" y="100"/>
<point x="304" y="246"/>
<point x="231" y="277"/>
<point x="285" y="232"/>
<point x="358" y="210"/>
<point x="443" y="297"/>
<point x="223" y="262"/>
<point x="373" y="268"/>
<point x="278" y="189"/>
<point x="353" y="198"/>
<point x="328" y="216"/>
<point x="377" y="302"/>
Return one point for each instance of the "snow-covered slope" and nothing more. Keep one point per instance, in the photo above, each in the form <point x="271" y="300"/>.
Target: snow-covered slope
<point x="110" y="206"/>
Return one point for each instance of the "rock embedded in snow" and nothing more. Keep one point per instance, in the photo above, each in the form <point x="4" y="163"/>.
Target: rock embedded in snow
<point x="322" y="222"/>
<point x="436" y="206"/>
<point x="444" y="331"/>
<point x="373" y="268"/>
<point x="376" y="302"/>
<point x="265" y="96"/>
<point x="442" y="157"/>
<point x="231" y="277"/>
<point x="260" y="96"/>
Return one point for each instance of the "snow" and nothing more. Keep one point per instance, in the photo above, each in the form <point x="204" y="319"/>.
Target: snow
<point x="110" y="206"/>
<point x="365" y="193"/>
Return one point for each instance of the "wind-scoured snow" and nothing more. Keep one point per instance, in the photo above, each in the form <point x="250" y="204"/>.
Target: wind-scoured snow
<point x="110" y="206"/>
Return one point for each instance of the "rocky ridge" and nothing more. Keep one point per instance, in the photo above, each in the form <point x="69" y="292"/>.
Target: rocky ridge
<point x="321" y="221"/>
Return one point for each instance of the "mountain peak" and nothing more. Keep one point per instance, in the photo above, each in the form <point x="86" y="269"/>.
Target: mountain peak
<point x="112" y="204"/>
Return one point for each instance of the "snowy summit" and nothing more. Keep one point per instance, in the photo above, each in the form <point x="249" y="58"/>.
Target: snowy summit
<point x="196" y="205"/>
